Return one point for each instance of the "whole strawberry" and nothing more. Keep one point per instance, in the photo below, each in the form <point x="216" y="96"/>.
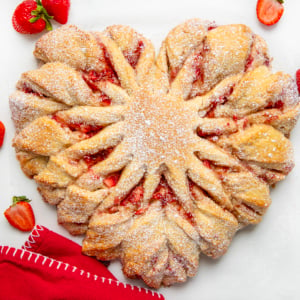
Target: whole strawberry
<point x="59" y="9"/>
<point x="20" y="214"/>
<point x="298" y="79"/>
<point x="2" y="133"/>
<point x="31" y="17"/>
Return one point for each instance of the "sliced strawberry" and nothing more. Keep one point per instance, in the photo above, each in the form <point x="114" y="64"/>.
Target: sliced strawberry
<point x="2" y="133"/>
<point x="59" y="9"/>
<point x="31" y="17"/>
<point x="269" y="12"/>
<point x="111" y="180"/>
<point x="298" y="80"/>
<point x="20" y="214"/>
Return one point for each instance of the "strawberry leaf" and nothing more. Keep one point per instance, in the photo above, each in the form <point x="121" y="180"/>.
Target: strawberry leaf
<point x="32" y="20"/>
<point x="17" y="199"/>
<point x="48" y="23"/>
<point x="41" y="13"/>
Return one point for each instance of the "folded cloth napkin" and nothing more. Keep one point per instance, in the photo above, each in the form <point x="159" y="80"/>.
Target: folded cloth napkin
<point x="50" y="266"/>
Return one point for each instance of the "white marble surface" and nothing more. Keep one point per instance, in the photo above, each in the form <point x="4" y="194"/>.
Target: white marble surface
<point x="263" y="261"/>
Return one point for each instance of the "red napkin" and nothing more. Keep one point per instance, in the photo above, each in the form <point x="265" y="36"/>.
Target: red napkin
<point x="50" y="266"/>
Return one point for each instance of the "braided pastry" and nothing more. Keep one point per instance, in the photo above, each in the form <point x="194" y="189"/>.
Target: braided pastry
<point x="155" y="159"/>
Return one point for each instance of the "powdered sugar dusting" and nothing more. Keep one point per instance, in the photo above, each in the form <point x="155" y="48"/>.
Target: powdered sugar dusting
<point x="155" y="132"/>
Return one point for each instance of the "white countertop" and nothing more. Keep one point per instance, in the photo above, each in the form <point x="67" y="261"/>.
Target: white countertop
<point x="262" y="261"/>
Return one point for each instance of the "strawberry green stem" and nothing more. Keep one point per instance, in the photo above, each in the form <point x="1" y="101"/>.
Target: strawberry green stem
<point x="17" y="199"/>
<point x="48" y="24"/>
<point x="280" y="1"/>
<point x="41" y="13"/>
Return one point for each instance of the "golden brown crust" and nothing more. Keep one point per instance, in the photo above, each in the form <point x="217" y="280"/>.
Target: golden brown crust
<point x="265" y="146"/>
<point x="68" y="44"/>
<point x="155" y="160"/>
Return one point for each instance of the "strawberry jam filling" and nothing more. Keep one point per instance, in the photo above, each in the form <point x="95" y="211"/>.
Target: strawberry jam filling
<point x="104" y="100"/>
<point x="133" y="56"/>
<point x="221" y="172"/>
<point x="249" y="61"/>
<point x="173" y="72"/>
<point x="134" y="197"/>
<point x="141" y="211"/>
<point x="267" y="177"/>
<point x="164" y="193"/>
<point x="87" y="129"/>
<point x="92" y="78"/>
<point x="211" y="27"/>
<point x="198" y="63"/>
<point x="206" y="163"/>
<point x="278" y="104"/>
<point x="93" y="159"/>
<point x="105" y="75"/>
<point x="269" y="118"/>
<point x="112" y="179"/>
<point x="251" y="57"/>
<point x="108" y="73"/>
<point x="28" y="90"/>
<point x="90" y="130"/>
<point x="198" y="66"/>
<point x="202" y="133"/>
<point x="221" y="100"/>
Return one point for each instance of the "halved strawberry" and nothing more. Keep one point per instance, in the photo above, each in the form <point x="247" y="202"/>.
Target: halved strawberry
<point x="2" y="133"/>
<point x="20" y="214"/>
<point x="31" y="17"/>
<point x="298" y="79"/>
<point x="59" y="9"/>
<point x="269" y="12"/>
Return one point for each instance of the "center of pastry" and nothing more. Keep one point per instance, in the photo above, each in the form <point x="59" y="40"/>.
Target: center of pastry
<point x="158" y="128"/>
